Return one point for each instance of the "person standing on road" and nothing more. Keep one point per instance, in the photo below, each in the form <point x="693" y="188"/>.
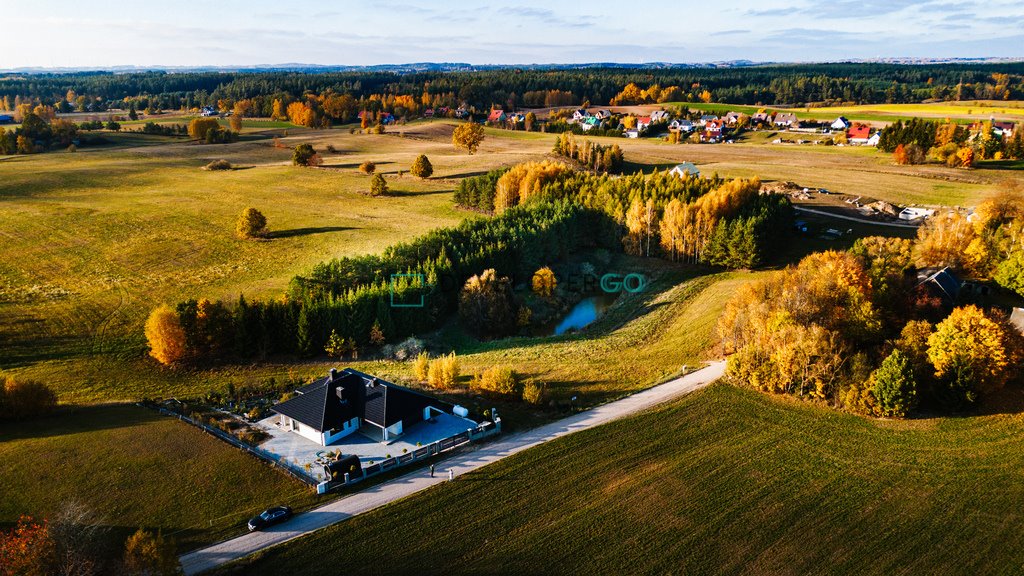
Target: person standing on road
<point x="451" y="474"/>
<point x="431" y="470"/>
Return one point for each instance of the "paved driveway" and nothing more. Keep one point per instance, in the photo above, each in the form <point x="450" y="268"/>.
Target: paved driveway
<point x="403" y="486"/>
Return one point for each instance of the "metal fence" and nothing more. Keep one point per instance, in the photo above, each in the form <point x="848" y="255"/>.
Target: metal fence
<point x="482" y="431"/>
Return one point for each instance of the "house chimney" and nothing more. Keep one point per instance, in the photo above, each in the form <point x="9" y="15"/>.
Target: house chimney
<point x="333" y="375"/>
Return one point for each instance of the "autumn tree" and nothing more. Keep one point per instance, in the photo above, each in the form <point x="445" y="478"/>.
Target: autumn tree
<point x="530" y="121"/>
<point x="21" y="399"/>
<point x="972" y="354"/>
<point x="894" y="386"/>
<point x="165" y="335"/>
<point x="28" y="549"/>
<point x="378" y="185"/>
<point x="278" y="112"/>
<point x="641" y="224"/>
<point x="235" y="121"/>
<point x="486" y="305"/>
<point x="199" y="127"/>
<point x="945" y="240"/>
<point x="900" y="155"/>
<point x="468" y="136"/>
<point x="544" y="282"/>
<point x="367" y="167"/>
<point x="421" y="167"/>
<point x="148" y="554"/>
<point x="376" y="334"/>
<point x="251" y="224"/>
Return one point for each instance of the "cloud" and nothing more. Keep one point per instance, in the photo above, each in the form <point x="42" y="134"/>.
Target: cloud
<point x="730" y="32"/>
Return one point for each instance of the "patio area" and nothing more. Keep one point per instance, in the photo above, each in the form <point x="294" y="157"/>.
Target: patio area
<point x="297" y="449"/>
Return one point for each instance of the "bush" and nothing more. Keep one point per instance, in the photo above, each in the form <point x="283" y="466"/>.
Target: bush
<point x="422" y="167"/>
<point x="534" y="392"/>
<point x="251" y="224"/>
<point x="20" y="399"/>
<point x="422" y="366"/>
<point x="332" y="149"/>
<point x="408" y="348"/>
<point x="496" y="379"/>
<point x="218" y="165"/>
<point x="200" y="126"/>
<point x="367" y="167"/>
<point x="443" y="372"/>
<point x="305" y="155"/>
<point x="378" y="186"/>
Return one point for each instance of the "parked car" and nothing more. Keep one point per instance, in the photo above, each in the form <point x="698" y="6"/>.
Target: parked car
<point x="269" y="517"/>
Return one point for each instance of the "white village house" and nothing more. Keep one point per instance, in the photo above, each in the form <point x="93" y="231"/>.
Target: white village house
<point x="685" y="169"/>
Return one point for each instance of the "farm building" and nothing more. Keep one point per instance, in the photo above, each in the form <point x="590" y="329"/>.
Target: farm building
<point x="6" y="118"/>
<point x="348" y="401"/>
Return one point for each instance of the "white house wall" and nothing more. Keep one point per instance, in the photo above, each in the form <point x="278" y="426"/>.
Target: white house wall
<point x="346" y="429"/>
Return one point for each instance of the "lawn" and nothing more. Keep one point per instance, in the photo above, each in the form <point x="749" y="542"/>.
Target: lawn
<point x="724" y="481"/>
<point x="136" y="468"/>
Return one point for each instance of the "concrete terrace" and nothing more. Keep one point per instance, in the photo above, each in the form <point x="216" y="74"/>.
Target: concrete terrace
<point x="300" y="450"/>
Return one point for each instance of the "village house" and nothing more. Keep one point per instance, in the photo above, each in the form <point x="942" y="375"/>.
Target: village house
<point x="786" y="120"/>
<point x="874" y="139"/>
<point x="1004" y="129"/>
<point x="680" y="126"/>
<point x="707" y="118"/>
<point x="496" y="116"/>
<point x="659" y="116"/>
<point x="858" y="134"/>
<point x="590" y="123"/>
<point x="686" y="169"/>
<point x="840" y="123"/>
<point x="761" y="118"/>
<point x="642" y="122"/>
<point x="602" y="114"/>
<point x="732" y="118"/>
<point x="349" y="401"/>
<point x="631" y="133"/>
<point x="579" y="115"/>
<point x="428" y="113"/>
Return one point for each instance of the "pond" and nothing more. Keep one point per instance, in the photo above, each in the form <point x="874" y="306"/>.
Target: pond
<point x="581" y="315"/>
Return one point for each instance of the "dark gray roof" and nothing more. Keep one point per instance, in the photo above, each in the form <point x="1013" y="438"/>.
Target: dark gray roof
<point x="943" y="280"/>
<point x="328" y="402"/>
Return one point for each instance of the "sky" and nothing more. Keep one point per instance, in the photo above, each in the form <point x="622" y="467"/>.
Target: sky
<point x="72" y="33"/>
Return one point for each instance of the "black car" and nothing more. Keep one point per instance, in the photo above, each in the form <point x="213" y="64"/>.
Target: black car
<point x="269" y="517"/>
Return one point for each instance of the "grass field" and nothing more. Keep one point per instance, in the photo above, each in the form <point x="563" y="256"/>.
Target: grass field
<point x="136" y="468"/>
<point x="93" y="240"/>
<point x="973" y="110"/>
<point x="724" y="481"/>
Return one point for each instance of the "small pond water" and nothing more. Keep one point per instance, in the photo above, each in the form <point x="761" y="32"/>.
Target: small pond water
<point x="582" y="314"/>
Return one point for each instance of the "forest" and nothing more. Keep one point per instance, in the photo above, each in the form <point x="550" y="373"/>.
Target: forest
<point x="862" y="83"/>
<point x="543" y="212"/>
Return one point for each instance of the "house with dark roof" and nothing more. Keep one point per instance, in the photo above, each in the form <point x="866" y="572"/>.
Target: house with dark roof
<point x="349" y="401"/>
<point x="940" y="283"/>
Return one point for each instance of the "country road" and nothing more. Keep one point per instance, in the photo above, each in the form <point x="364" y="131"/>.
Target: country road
<point x="853" y="219"/>
<point x="384" y="493"/>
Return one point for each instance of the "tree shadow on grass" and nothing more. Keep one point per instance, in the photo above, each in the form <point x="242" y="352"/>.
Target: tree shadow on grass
<point x="75" y="419"/>
<point x="307" y="231"/>
<point x="462" y="174"/>
<point x="401" y="193"/>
